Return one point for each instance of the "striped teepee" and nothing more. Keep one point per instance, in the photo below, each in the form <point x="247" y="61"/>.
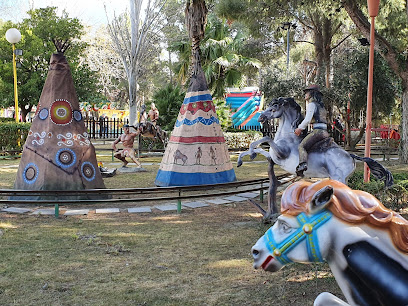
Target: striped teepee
<point x="196" y="153"/>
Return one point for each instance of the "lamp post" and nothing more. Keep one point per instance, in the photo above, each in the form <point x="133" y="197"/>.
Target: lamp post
<point x="373" y="6"/>
<point x="287" y="26"/>
<point x="13" y="36"/>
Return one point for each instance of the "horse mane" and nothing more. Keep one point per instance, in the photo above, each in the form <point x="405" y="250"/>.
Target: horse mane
<point x="351" y="206"/>
<point x="292" y="103"/>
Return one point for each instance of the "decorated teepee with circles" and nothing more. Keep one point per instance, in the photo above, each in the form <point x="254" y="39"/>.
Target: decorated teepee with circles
<point x="57" y="154"/>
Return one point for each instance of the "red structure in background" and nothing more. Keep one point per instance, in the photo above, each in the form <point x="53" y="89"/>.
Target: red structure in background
<point x="387" y="131"/>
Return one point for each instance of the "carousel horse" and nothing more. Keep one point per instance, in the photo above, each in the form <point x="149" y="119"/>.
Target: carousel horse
<point x="325" y="158"/>
<point x="364" y="243"/>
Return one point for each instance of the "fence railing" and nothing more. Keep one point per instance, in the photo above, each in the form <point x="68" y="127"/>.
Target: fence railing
<point x="104" y="127"/>
<point x="108" y="128"/>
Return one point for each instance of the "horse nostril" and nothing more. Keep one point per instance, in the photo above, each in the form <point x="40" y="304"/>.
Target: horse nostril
<point x="255" y="252"/>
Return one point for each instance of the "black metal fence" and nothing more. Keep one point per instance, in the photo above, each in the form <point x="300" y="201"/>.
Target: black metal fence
<point x="101" y="128"/>
<point x="106" y="128"/>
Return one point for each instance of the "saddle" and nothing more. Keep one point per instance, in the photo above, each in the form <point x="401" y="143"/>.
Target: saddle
<point x="323" y="145"/>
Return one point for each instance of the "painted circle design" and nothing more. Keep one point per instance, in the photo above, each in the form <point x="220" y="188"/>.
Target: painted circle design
<point x="43" y="114"/>
<point x="88" y="171"/>
<point x="65" y="158"/>
<point x="77" y="115"/>
<point x="61" y="112"/>
<point x="30" y="173"/>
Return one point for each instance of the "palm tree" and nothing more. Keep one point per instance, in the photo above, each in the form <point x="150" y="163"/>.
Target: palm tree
<point x="196" y="20"/>
<point x="222" y="61"/>
<point x="224" y="65"/>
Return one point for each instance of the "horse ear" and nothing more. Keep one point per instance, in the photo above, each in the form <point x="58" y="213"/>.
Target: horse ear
<point x="321" y="198"/>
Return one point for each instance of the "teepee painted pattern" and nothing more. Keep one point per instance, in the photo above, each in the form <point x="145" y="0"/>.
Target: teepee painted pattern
<point x="197" y="153"/>
<point x="57" y="154"/>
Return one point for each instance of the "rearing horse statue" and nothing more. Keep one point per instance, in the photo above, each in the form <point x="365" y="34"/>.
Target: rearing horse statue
<point x="325" y="159"/>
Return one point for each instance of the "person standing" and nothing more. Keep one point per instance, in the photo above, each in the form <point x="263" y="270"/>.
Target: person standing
<point x="315" y="114"/>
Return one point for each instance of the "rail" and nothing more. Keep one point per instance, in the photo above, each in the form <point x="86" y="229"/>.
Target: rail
<point x="125" y="195"/>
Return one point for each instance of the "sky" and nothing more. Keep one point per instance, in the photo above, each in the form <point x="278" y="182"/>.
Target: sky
<point x="90" y="12"/>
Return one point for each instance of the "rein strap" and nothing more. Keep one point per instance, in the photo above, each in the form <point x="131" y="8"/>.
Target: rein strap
<point x="307" y="231"/>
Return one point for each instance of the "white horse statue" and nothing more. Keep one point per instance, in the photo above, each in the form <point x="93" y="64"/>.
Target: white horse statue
<point x="325" y="159"/>
<point x="364" y="243"/>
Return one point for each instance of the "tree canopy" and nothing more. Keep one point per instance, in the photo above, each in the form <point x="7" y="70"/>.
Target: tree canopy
<point x="240" y="39"/>
<point x="38" y="32"/>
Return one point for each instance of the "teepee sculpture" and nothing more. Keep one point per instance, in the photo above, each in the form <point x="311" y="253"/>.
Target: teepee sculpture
<point x="196" y="153"/>
<point x="57" y="154"/>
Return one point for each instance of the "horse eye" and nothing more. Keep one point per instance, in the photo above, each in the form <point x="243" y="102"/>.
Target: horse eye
<point x="284" y="227"/>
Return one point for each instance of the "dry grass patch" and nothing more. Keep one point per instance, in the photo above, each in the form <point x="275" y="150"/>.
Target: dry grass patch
<point x="200" y="257"/>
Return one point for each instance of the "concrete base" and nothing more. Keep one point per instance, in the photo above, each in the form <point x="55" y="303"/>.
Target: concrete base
<point x="130" y="169"/>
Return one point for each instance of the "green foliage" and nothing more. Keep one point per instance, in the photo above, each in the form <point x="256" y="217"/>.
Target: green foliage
<point x="13" y="135"/>
<point x="47" y="26"/>
<point x="3" y="119"/>
<point x="37" y="31"/>
<point x="223" y="62"/>
<point x="350" y="83"/>
<point x="222" y="59"/>
<point x="241" y="140"/>
<point x="168" y="101"/>
<point x="392" y="24"/>
<point x="276" y="84"/>
<point x="395" y="197"/>
<point x="223" y="113"/>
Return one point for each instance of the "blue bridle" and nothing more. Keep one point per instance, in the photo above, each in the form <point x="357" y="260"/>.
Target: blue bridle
<point x="307" y="230"/>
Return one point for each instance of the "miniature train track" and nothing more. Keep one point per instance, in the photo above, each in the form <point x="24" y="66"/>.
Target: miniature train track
<point x="126" y="195"/>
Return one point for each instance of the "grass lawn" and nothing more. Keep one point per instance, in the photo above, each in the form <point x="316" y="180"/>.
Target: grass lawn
<point x="198" y="257"/>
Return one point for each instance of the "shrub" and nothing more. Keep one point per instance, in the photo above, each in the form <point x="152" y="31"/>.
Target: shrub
<point x="4" y="119"/>
<point x="168" y="101"/>
<point x="13" y="135"/>
<point x="223" y="113"/>
<point x="395" y="197"/>
<point x="241" y="140"/>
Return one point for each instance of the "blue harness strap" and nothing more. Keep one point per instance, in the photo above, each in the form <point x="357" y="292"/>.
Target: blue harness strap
<point x="307" y="231"/>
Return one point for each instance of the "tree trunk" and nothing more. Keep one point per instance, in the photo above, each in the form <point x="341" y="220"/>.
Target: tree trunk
<point x="318" y="47"/>
<point x="404" y="124"/>
<point x="196" y="19"/>
<point x="132" y="81"/>
<point x="23" y="114"/>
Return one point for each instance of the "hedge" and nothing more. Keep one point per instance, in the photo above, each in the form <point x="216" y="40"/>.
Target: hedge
<point x="241" y="140"/>
<point x="395" y="197"/>
<point x="6" y="119"/>
<point x="13" y="135"/>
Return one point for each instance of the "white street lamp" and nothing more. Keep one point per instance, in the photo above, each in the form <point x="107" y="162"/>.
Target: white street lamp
<point x="13" y="36"/>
